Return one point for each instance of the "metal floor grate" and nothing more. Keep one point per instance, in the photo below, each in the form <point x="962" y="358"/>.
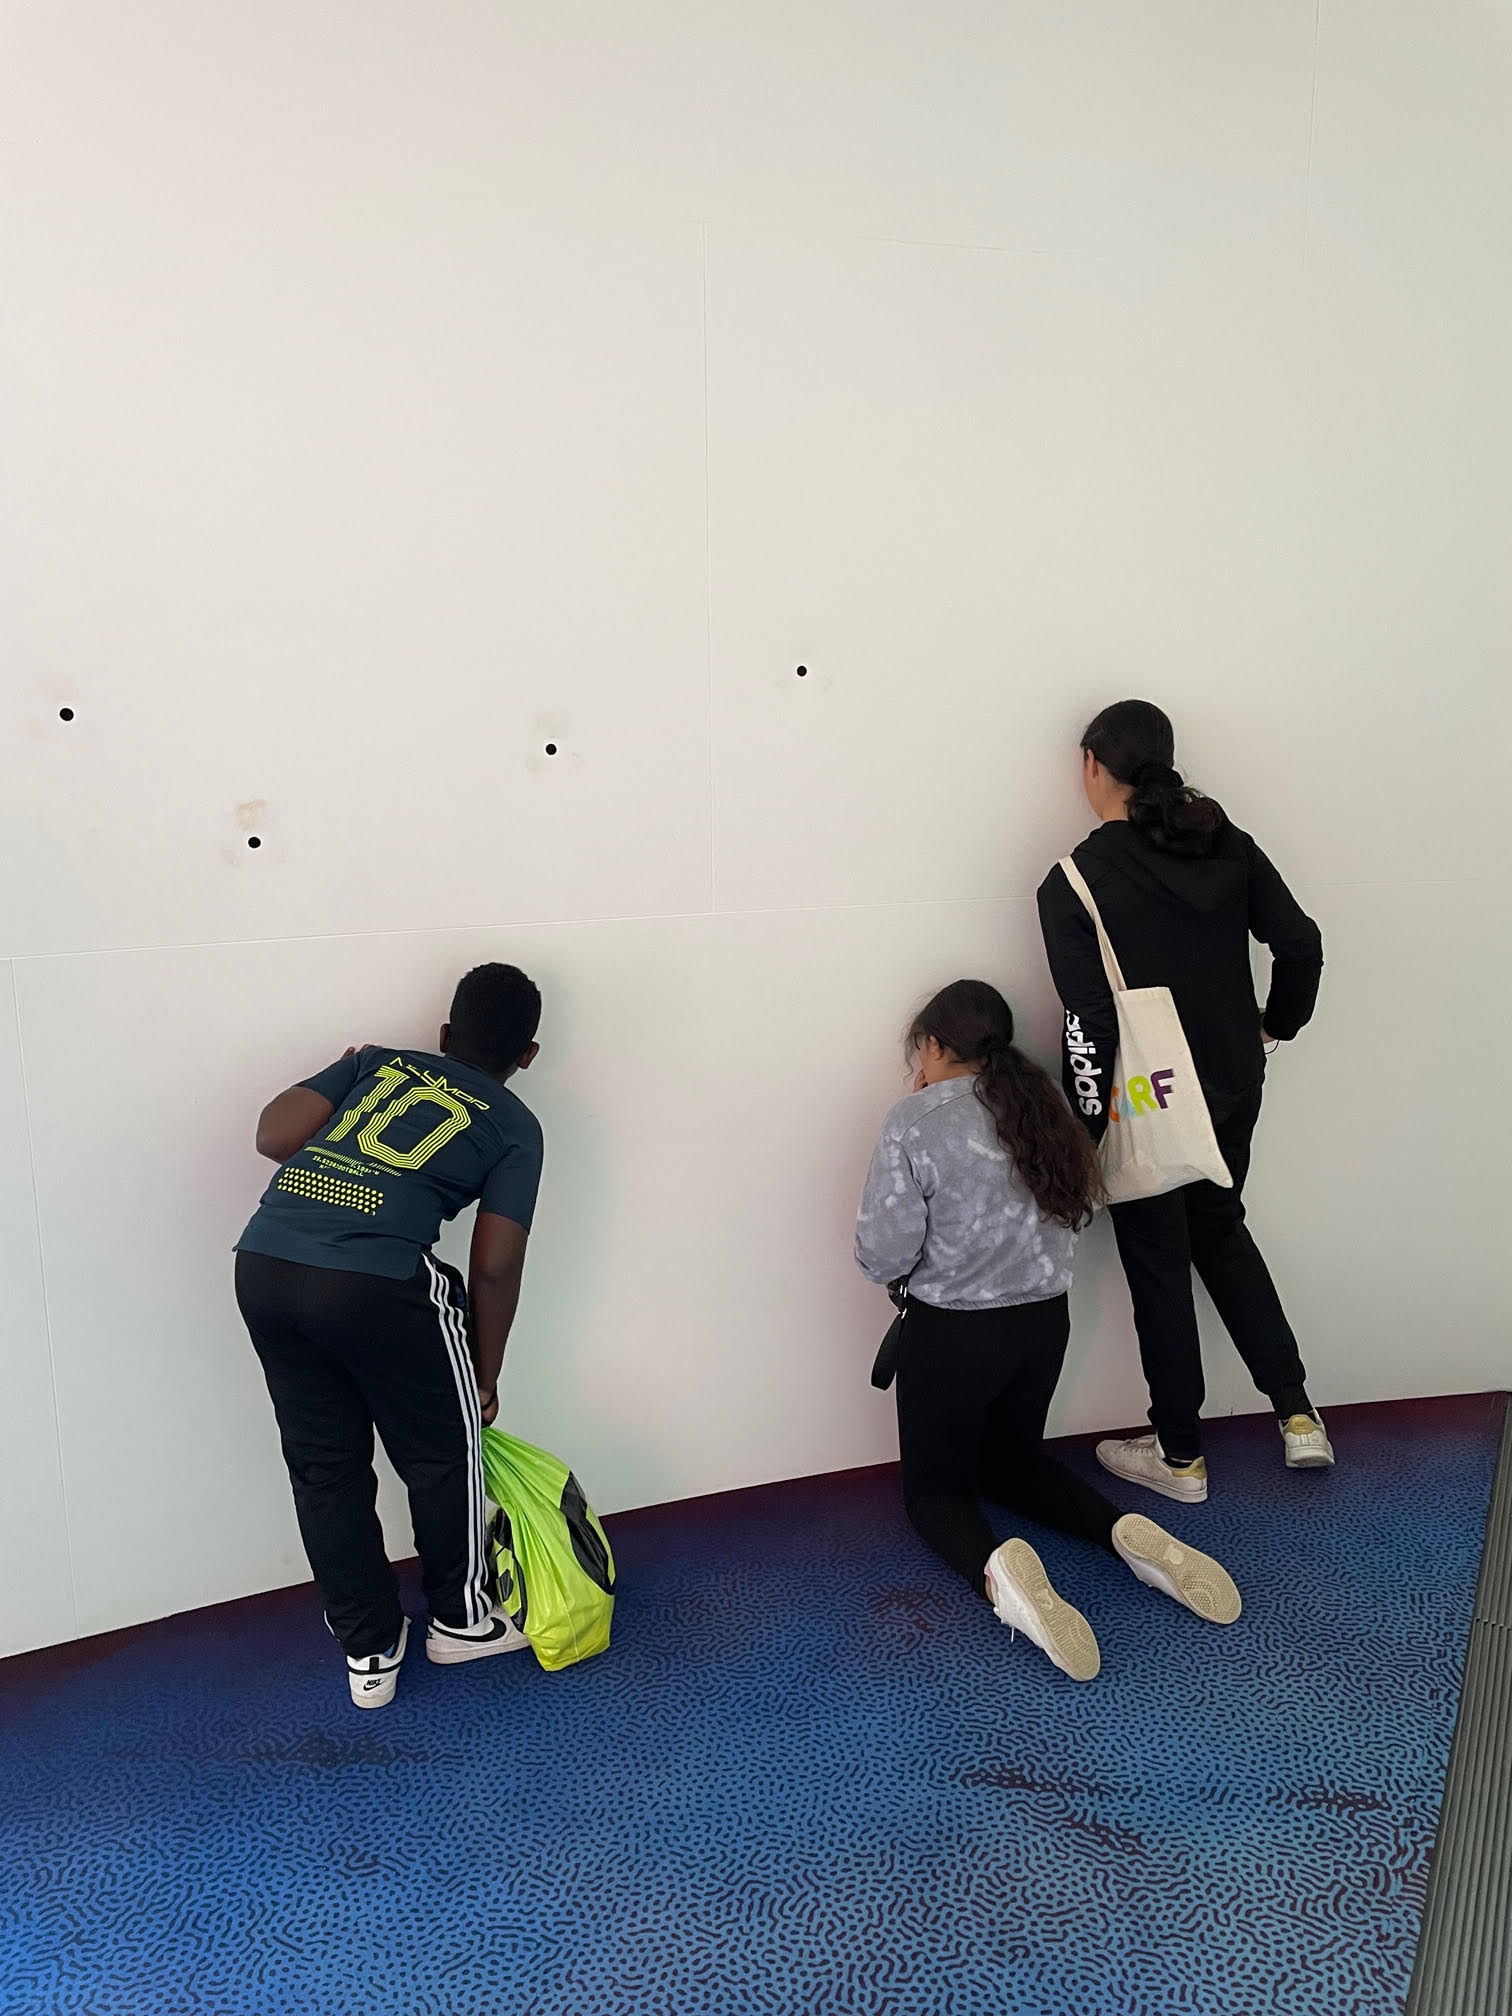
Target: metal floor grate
<point x="1464" y="1956"/>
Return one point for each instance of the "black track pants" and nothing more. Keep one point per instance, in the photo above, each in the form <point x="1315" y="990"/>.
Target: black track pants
<point x="974" y="1387"/>
<point x="344" y="1354"/>
<point x="1160" y="1241"/>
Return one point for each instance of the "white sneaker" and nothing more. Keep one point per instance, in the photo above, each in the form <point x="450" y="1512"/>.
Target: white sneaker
<point x="1307" y="1443"/>
<point x="373" y="1681"/>
<point x="1140" y="1460"/>
<point x="449" y="1645"/>
<point x="1024" y="1600"/>
<point x="1162" y="1563"/>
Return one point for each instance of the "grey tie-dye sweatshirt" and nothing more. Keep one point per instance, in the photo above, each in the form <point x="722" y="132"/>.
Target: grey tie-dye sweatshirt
<point x="944" y="1203"/>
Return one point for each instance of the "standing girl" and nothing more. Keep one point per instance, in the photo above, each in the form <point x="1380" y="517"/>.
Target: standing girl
<point x="1181" y="892"/>
<point x="977" y="1190"/>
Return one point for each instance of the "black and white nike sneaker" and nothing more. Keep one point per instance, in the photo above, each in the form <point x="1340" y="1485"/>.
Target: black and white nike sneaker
<point x="454" y="1645"/>
<point x="374" y="1680"/>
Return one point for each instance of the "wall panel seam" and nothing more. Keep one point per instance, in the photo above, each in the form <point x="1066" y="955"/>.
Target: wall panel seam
<point x="703" y="268"/>
<point x="1392" y="885"/>
<point x="1312" y="129"/>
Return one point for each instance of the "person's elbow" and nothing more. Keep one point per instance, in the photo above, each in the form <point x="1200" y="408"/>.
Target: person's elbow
<point x="497" y="1260"/>
<point x="497" y="1276"/>
<point x="871" y="1267"/>
<point x="274" y="1141"/>
<point x="289" y="1121"/>
<point x="1297" y="968"/>
<point x="883" y="1268"/>
<point x="1300" y="945"/>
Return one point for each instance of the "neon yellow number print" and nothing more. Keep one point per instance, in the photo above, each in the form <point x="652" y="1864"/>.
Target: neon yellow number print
<point x="457" y="1117"/>
<point x="389" y="1079"/>
<point x="379" y="1109"/>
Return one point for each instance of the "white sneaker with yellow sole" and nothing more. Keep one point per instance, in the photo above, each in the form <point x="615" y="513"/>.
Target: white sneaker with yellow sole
<point x="1307" y="1443"/>
<point x="1141" y="1460"/>
<point x="1024" y="1600"/>
<point x="1165" y="1563"/>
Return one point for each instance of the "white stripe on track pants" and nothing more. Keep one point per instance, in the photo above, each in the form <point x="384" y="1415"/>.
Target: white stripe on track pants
<point x="344" y="1354"/>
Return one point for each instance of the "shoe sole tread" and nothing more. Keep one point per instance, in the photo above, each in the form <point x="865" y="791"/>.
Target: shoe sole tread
<point x="1204" y="1585"/>
<point x="1073" y="1641"/>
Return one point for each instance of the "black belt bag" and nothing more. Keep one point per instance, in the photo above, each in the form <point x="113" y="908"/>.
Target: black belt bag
<point x="885" y="1364"/>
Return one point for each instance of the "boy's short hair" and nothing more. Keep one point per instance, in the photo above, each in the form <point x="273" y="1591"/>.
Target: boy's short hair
<point x="495" y="1014"/>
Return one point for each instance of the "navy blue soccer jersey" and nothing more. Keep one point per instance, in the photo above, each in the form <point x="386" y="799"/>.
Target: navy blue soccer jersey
<point x="415" y="1138"/>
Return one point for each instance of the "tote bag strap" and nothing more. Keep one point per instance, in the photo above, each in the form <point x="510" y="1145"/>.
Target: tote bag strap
<point x="1111" y="966"/>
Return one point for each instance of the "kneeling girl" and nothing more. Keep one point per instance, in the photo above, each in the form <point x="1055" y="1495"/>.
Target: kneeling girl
<point x="977" y="1191"/>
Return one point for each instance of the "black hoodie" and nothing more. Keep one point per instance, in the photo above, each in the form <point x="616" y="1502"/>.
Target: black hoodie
<point x="1185" y="925"/>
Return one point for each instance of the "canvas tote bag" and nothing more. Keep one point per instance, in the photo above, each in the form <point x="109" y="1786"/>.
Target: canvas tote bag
<point x="1160" y="1134"/>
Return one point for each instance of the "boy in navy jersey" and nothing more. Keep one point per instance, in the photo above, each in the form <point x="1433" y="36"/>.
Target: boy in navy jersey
<point x="359" y="1326"/>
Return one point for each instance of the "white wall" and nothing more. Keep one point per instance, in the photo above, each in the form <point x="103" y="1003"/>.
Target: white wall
<point x="390" y="391"/>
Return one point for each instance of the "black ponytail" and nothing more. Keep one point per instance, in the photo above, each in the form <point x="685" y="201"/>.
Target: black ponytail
<point x="1135" y="742"/>
<point x="1051" y="1151"/>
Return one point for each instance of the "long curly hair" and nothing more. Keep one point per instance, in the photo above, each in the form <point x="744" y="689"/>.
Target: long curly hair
<point x="1051" y="1150"/>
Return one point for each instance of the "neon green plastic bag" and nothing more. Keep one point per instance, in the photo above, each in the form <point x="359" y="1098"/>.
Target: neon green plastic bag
<point x="551" y="1557"/>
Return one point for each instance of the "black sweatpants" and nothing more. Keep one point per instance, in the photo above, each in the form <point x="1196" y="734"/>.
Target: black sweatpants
<point x="1160" y="1241"/>
<point x="344" y="1354"/>
<point x="974" y="1388"/>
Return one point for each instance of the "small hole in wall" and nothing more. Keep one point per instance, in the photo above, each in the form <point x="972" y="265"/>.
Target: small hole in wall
<point x="551" y="748"/>
<point x="65" y="714"/>
<point x="253" y="841"/>
<point x="803" y="671"/>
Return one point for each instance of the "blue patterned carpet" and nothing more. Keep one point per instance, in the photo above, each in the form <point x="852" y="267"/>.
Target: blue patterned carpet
<point x="811" y="1777"/>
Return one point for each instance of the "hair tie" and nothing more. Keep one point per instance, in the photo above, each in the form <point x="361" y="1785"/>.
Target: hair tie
<point x="1152" y="773"/>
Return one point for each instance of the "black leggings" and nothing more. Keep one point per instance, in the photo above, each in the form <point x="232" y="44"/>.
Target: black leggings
<point x="1160" y="1241"/>
<point x="974" y="1387"/>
